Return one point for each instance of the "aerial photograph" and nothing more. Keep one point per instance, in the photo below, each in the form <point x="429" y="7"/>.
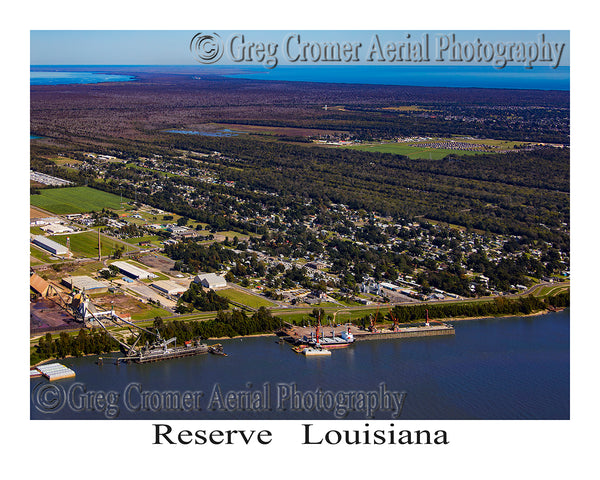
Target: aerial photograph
<point x="300" y="225"/>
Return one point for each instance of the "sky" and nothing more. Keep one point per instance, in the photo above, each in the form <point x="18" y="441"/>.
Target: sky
<point x="172" y="47"/>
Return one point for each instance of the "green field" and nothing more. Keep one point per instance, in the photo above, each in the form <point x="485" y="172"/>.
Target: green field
<point x="153" y="239"/>
<point x="150" y="314"/>
<point x="85" y="244"/>
<point x="413" y="153"/>
<point x="247" y="299"/>
<point x="40" y="256"/>
<point x="75" y="200"/>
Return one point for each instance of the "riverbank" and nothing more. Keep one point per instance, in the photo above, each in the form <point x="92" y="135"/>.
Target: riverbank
<point x="460" y="319"/>
<point x="446" y="377"/>
<point x="379" y="326"/>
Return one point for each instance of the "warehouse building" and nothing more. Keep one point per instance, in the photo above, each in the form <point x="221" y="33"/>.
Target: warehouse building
<point x="133" y="271"/>
<point x="211" y="280"/>
<point x="85" y="284"/>
<point x="38" y="284"/>
<point x="50" y="245"/>
<point x="168" y="287"/>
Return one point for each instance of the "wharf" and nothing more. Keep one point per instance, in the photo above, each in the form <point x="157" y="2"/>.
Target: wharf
<point x="406" y="332"/>
<point x="296" y="334"/>
<point x="179" y="352"/>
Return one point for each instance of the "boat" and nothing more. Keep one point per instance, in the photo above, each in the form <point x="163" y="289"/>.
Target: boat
<point x="345" y="339"/>
<point x="217" y="349"/>
<point x="315" y="351"/>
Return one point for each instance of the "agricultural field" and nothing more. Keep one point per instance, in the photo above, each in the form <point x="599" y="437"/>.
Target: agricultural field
<point x="75" y="200"/>
<point x="252" y="301"/>
<point x="85" y="244"/>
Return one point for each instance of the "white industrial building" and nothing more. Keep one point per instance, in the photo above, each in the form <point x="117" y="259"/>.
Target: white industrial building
<point x="55" y="228"/>
<point x="389" y="286"/>
<point x="168" y="287"/>
<point x="50" y="245"/>
<point x="211" y="280"/>
<point x="133" y="271"/>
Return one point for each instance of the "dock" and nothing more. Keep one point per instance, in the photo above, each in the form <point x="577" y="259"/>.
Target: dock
<point x="55" y="371"/>
<point x="295" y="334"/>
<point x="406" y="332"/>
<point x="171" y="353"/>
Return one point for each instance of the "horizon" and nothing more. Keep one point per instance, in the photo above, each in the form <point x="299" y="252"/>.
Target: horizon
<point x="281" y="47"/>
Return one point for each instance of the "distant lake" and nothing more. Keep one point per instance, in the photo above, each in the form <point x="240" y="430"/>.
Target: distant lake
<point x="68" y="78"/>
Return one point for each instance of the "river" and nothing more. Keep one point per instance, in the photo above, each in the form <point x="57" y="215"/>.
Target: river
<point x="497" y="368"/>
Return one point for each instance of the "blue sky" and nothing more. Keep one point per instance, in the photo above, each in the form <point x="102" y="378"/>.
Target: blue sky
<point x="171" y="47"/>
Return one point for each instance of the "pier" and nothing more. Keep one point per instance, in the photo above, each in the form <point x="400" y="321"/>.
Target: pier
<point x="406" y="332"/>
<point x="295" y="334"/>
<point x="168" y="354"/>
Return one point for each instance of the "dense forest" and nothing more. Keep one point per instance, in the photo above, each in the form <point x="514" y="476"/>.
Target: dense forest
<point x="226" y="324"/>
<point x="86" y="342"/>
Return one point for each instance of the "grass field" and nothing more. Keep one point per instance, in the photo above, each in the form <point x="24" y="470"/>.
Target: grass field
<point x="247" y="299"/>
<point x="151" y="313"/>
<point x="65" y="160"/>
<point x="413" y="153"/>
<point x="75" y="200"/>
<point x="40" y="256"/>
<point x="85" y="244"/>
<point x="153" y="239"/>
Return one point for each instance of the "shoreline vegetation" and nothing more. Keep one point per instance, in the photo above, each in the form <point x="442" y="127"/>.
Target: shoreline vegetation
<point x="238" y="324"/>
<point x="240" y="337"/>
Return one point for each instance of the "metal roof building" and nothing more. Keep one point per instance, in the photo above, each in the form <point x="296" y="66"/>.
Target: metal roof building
<point x="211" y="280"/>
<point x="50" y="245"/>
<point x="85" y="283"/>
<point x="133" y="271"/>
<point x="168" y="287"/>
<point x="38" y="284"/>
